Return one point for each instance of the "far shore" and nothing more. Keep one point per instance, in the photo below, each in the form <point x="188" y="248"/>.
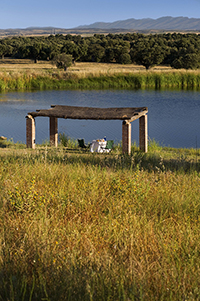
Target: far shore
<point x="81" y="68"/>
<point x="17" y="75"/>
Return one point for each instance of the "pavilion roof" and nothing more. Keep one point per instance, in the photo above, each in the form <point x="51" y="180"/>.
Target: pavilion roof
<point x="73" y="112"/>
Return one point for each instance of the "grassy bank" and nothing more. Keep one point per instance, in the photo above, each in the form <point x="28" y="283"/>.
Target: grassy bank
<point x="81" y="226"/>
<point x="180" y="80"/>
<point x="94" y="76"/>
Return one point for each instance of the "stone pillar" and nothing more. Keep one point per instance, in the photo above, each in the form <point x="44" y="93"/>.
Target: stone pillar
<point x="30" y="132"/>
<point x="143" y="133"/>
<point x="126" y="137"/>
<point x="53" y="127"/>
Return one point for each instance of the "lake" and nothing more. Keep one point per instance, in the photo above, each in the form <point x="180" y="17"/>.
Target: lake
<point x="173" y="117"/>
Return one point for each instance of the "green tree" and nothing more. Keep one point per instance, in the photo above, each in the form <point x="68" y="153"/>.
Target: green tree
<point x="51" y="51"/>
<point x="147" y="52"/>
<point x="62" y="61"/>
<point x="23" y="52"/>
<point x="124" y="58"/>
<point x="188" y="53"/>
<point x="122" y="55"/>
<point x="71" y="48"/>
<point x="95" y="53"/>
<point x="188" y="61"/>
<point x="82" y="49"/>
<point x="192" y="61"/>
<point x="109" y="55"/>
<point x="35" y="50"/>
<point x="2" y="51"/>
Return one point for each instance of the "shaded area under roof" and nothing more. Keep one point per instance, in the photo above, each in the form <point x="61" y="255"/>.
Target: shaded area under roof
<point x="73" y="112"/>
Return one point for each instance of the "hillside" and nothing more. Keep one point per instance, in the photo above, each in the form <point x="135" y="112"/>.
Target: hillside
<point x="164" y="23"/>
<point x="174" y="24"/>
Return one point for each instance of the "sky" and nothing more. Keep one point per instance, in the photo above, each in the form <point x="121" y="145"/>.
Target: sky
<point x="72" y="13"/>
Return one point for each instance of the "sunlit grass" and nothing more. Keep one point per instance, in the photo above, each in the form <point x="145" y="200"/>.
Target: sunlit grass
<point x="81" y="226"/>
<point x="26" y="76"/>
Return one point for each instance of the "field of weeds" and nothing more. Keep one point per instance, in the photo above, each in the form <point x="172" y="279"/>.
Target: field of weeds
<point x="82" y="68"/>
<point x="81" y="226"/>
<point x="26" y="75"/>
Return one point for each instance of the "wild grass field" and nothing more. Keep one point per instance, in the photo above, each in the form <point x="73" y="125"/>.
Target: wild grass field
<point x="26" y="75"/>
<point x="81" y="226"/>
<point x="83" y="68"/>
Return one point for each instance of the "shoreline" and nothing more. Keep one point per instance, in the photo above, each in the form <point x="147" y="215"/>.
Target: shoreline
<point x="16" y="75"/>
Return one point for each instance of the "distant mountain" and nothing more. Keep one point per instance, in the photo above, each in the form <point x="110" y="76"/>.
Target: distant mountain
<point x="164" y="23"/>
<point x="175" y="24"/>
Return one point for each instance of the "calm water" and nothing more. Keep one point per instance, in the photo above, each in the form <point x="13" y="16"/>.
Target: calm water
<point x="173" y="118"/>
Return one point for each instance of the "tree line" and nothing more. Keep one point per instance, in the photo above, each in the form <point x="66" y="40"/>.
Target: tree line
<point x="171" y="49"/>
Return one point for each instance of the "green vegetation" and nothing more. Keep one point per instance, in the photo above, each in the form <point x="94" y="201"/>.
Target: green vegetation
<point x="175" y="50"/>
<point x="62" y="61"/>
<point x="139" y="80"/>
<point x="81" y="226"/>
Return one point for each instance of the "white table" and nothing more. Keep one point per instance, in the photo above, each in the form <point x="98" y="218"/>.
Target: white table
<point x="98" y="146"/>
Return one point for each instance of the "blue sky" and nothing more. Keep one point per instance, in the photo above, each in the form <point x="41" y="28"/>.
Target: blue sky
<point x="72" y="13"/>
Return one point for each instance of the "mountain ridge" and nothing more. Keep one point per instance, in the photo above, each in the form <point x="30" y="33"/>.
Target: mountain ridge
<point x="162" y="23"/>
<point x="145" y="25"/>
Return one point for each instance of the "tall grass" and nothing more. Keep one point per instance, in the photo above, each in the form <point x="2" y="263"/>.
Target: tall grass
<point x="70" y="80"/>
<point x="80" y="226"/>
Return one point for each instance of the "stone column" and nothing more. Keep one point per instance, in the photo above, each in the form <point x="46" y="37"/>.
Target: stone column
<point x="143" y="133"/>
<point x="126" y="137"/>
<point x="30" y="132"/>
<point x="53" y="127"/>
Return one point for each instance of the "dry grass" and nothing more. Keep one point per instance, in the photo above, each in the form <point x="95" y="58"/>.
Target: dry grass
<point x="81" y="69"/>
<point x="15" y="68"/>
<point x="85" y="69"/>
<point x="95" y="227"/>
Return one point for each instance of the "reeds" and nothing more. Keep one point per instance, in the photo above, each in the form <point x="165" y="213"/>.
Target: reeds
<point x="77" y="226"/>
<point x="49" y="79"/>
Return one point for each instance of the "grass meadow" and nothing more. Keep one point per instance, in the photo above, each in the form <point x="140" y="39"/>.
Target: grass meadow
<point x="25" y="75"/>
<point x="82" y="226"/>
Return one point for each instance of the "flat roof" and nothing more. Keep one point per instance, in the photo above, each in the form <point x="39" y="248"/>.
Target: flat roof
<point x="73" y="112"/>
